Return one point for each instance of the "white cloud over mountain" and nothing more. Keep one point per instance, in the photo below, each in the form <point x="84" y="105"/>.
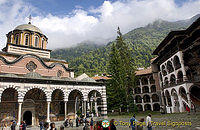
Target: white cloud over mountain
<point x="98" y="24"/>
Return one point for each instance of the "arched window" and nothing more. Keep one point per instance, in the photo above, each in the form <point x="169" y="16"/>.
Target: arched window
<point x="146" y="98"/>
<point x="163" y="70"/>
<point x="166" y="82"/>
<point x="17" y="39"/>
<point x="152" y="81"/>
<point x="153" y="88"/>
<point x="137" y="90"/>
<point x="155" y="98"/>
<point x="172" y="79"/>
<point x="145" y="89"/>
<point x="170" y="67"/>
<point x="180" y="77"/>
<point x="26" y="39"/>
<point x="36" y="41"/>
<point x="144" y="81"/>
<point x="177" y="63"/>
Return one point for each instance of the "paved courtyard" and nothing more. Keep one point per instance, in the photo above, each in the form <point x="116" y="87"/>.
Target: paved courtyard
<point x="156" y="117"/>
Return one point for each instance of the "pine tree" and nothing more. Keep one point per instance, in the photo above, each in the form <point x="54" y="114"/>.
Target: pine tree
<point x="121" y="68"/>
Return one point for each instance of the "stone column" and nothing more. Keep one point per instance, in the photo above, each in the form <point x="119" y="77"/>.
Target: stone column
<point x="65" y="109"/>
<point x="180" y="103"/>
<point x="19" y="113"/>
<point x="48" y="111"/>
<point x="173" y="104"/>
<point x="151" y="103"/>
<point x="85" y="107"/>
<point x="183" y="66"/>
<point x="189" y="100"/>
<point x="95" y="107"/>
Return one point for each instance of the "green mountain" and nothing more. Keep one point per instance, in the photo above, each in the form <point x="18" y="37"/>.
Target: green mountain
<point x="93" y="59"/>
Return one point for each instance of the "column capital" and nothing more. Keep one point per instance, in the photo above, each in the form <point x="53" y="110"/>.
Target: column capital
<point x="48" y="100"/>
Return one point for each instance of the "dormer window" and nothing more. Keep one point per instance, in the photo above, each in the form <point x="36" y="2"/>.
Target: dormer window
<point x="26" y="39"/>
<point x="36" y="41"/>
<point x="17" y="39"/>
<point x="43" y="43"/>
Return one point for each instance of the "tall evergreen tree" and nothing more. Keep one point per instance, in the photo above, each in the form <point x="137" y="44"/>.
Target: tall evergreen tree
<point x="123" y="75"/>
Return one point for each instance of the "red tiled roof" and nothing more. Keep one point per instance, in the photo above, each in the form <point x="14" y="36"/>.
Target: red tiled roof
<point x="143" y="71"/>
<point x="100" y="77"/>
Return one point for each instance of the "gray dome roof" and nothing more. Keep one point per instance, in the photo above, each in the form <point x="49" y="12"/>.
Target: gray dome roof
<point x="28" y="27"/>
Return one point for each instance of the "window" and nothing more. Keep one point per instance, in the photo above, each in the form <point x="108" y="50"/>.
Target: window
<point x="26" y="39"/>
<point x="17" y="39"/>
<point x="36" y="41"/>
<point x="42" y="43"/>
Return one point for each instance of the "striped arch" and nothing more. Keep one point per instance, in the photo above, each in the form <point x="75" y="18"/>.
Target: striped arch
<point x="65" y="98"/>
<point x="94" y="90"/>
<point x="10" y="86"/>
<point x="76" y="89"/>
<point x="47" y="94"/>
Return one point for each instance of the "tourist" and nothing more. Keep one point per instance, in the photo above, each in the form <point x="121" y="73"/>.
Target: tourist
<point x="112" y="125"/>
<point x="53" y="126"/>
<point x="140" y="126"/>
<point x="71" y="123"/>
<point x="23" y="124"/>
<point x="148" y="122"/>
<point x="13" y="125"/>
<point x="5" y="127"/>
<point x="46" y="126"/>
<point x="66" y="123"/>
<point x="91" y="124"/>
<point x="41" y="125"/>
<point x="133" y="122"/>
<point x="77" y="122"/>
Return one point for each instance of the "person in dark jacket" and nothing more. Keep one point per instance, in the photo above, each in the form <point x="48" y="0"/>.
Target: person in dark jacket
<point x="41" y="125"/>
<point x="53" y="126"/>
<point x="13" y="125"/>
<point x="112" y="125"/>
<point x="77" y="122"/>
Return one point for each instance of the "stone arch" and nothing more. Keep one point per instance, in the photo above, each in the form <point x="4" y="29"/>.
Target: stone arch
<point x="145" y="89"/>
<point x="152" y="81"/>
<point x="144" y="81"/>
<point x="176" y="62"/>
<point x="174" y="94"/>
<point x="61" y="89"/>
<point x="194" y="93"/>
<point x="153" y="88"/>
<point x="92" y="90"/>
<point x="47" y="94"/>
<point x="155" y="98"/>
<point x="180" y="77"/>
<point x="172" y="79"/>
<point x="183" y="93"/>
<point x="164" y="72"/>
<point x="139" y="107"/>
<point x="147" y="107"/>
<point x="138" y="99"/>
<point x="170" y="67"/>
<point x="146" y="98"/>
<point x="95" y="102"/>
<point x="156" y="107"/>
<point x="9" y="87"/>
<point x="57" y="106"/>
<point x="137" y="90"/>
<point x="9" y="102"/>
<point x="166" y="82"/>
<point x="75" y="102"/>
<point x="167" y="95"/>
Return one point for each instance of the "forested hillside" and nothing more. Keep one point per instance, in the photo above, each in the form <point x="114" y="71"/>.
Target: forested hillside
<point x="93" y="59"/>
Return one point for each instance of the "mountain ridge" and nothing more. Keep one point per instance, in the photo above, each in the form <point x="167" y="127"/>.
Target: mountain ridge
<point x="93" y="58"/>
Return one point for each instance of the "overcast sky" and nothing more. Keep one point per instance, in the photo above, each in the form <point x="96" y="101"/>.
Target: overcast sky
<point x="68" y="22"/>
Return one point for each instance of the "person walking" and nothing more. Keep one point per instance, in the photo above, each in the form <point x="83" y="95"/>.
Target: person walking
<point x="53" y="126"/>
<point x="133" y="122"/>
<point x="13" y="125"/>
<point x="41" y="125"/>
<point x="77" y="122"/>
<point x="23" y="125"/>
<point x="91" y="124"/>
<point x="148" y="122"/>
<point x="66" y="123"/>
<point x="70" y="123"/>
<point x="140" y="126"/>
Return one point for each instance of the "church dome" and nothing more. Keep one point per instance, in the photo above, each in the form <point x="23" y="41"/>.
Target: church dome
<point x="29" y="27"/>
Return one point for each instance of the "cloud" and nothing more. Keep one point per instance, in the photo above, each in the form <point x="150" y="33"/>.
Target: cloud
<point x="97" y="25"/>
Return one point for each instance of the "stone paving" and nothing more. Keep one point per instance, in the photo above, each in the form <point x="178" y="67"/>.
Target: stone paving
<point x="178" y="117"/>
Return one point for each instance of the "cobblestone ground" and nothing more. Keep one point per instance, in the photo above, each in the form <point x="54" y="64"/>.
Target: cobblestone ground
<point x="122" y="122"/>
